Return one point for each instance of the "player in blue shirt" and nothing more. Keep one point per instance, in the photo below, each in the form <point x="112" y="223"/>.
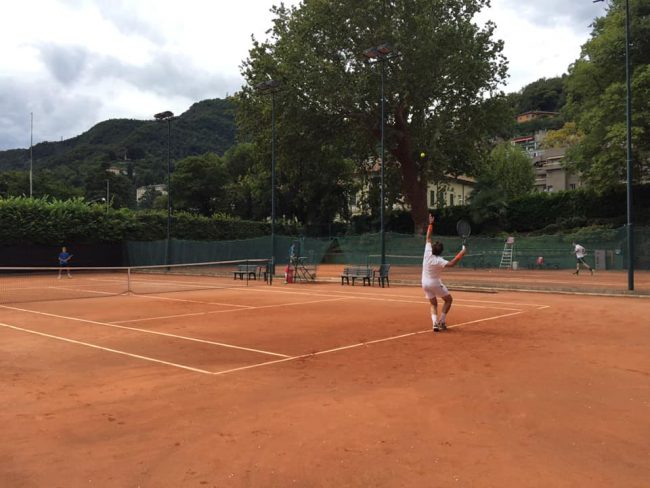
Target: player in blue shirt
<point x="64" y="261"/>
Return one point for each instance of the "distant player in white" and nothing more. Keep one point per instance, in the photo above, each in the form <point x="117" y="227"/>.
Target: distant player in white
<point x="432" y="266"/>
<point x="580" y="252"/>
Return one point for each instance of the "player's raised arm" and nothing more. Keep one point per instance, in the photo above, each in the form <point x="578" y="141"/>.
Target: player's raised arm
<point x="432" y="219"/>
<point x="457" y="258"/>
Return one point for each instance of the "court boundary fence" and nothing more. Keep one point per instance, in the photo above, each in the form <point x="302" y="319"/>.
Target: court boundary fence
<point x="606" y="249"/>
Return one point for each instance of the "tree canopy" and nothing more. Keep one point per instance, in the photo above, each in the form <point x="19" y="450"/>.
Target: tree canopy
<point x="441" y="90"/>
<point x="545" y="94"/>
<point x="596" y="97"/>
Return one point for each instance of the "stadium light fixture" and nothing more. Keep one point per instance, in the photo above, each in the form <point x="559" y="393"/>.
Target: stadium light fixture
<point x="168" y="116"/>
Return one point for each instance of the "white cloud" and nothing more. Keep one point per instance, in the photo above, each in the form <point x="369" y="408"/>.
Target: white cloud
<point x="75" y="63"/>
<point x="541" y="37"/>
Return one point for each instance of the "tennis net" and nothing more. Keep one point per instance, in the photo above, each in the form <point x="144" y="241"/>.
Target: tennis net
<point x="24" y="284"/>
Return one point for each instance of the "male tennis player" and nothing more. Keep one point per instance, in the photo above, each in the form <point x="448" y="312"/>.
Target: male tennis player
<point x="432" y="266"/>
<point x="64" y="261"/>
<point x="580" y="252"/>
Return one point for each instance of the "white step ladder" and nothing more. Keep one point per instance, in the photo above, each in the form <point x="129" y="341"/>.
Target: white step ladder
<point x="508" y="252"/>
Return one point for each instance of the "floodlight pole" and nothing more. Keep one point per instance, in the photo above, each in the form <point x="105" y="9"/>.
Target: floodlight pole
<point x="628" y="126"/>
<point x="271" y="87"/>
<point x="382" y="196"/>
<point x="272" y="182"/>
<point x="381" y="54"/>
<point x="628" y="115"/>
<point x="168" y="116"/>
<point x="169" y="191"/>
<point x="31" y="155"/>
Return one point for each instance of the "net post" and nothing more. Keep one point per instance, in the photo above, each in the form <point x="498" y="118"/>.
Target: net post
<point x="128" y="279"/>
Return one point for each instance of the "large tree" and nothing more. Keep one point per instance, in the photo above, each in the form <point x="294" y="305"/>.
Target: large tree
<point x="596" y="97"/>
<point x="509" y="170"/>
<point x="441" y="90"/>
<point x="198" y="184"/>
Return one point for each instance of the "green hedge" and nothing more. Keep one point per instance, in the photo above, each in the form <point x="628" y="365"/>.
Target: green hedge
<point x="551" y="213"/>
<point x="27" y="221"/>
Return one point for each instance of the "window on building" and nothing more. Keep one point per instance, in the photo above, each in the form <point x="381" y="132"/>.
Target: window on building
<point x="572" y="186"/>
<point x="451" y="199"/>
<point x="432" y="198"/>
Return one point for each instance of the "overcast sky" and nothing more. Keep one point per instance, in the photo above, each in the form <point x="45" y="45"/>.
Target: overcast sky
<point x="74" y="63"/>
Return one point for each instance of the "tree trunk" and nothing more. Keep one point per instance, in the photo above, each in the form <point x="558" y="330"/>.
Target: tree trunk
<point x="414" y="183"/>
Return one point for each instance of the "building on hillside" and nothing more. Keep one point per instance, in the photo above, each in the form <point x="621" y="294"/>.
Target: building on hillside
<point x="532" y="143"/>
<point x="141" y="190"/>
<point x="534" y="114"/>
<point x="450" y="192"/>
<point x="550" y="173"/>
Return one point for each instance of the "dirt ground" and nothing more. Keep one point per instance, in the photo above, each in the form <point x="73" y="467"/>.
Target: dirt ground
<point x="325" y="385"/>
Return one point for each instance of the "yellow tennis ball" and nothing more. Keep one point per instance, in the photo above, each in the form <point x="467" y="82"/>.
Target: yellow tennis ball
<point x="422" y="155"/>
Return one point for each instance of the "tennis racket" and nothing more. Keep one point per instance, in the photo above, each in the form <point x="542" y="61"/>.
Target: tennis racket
<point x="464" y="230"/>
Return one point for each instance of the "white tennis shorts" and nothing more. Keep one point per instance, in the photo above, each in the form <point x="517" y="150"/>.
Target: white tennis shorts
<point x="434" y="289"/>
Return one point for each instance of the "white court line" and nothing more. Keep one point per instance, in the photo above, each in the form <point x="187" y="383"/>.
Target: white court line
<point x="360" y="344"/>
<point x="456" y="300"/>
<point x="260" y="289"/>
<point x="107" y="349"/>
<point x="194" y="314"/>
<point x="112" y="293"/>
<point x="367" y="295"/>
<point x="146" y="331"/>
<point x="151" y="296"/>
<point x="468" y="279"/>
<point x="333" y="298"/>
<point x="257" y="365"/>
<point x="186" y="284"/>
<point x="156" y="297"/>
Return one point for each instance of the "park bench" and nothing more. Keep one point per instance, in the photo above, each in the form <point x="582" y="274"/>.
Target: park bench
<point x="251" y="271"/>
<point x="355" y="272"/>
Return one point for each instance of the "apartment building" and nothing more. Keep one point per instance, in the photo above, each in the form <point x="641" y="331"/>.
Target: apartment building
<point x="450" y="192"/>
<point x="550" y="173"/>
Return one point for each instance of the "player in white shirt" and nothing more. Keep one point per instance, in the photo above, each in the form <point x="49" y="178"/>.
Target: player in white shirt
<point x="580" y="252"/>
<point x="432" y="266"/>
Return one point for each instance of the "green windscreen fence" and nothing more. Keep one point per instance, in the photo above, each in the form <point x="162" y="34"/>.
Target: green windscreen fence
<point x="186" y="251"/>
<point x="606" y="249"/>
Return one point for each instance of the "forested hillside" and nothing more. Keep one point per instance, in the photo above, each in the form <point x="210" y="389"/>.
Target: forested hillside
<point x="138" y="147"/>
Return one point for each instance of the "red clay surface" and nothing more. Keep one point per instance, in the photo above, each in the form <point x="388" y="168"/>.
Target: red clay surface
<point x="325" y="385"/>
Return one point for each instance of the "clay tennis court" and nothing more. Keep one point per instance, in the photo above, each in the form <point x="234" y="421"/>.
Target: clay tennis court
<point x="324" y="385"/>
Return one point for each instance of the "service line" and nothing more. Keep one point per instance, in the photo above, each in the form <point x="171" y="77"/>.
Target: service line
<point x="146" y="331"/>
